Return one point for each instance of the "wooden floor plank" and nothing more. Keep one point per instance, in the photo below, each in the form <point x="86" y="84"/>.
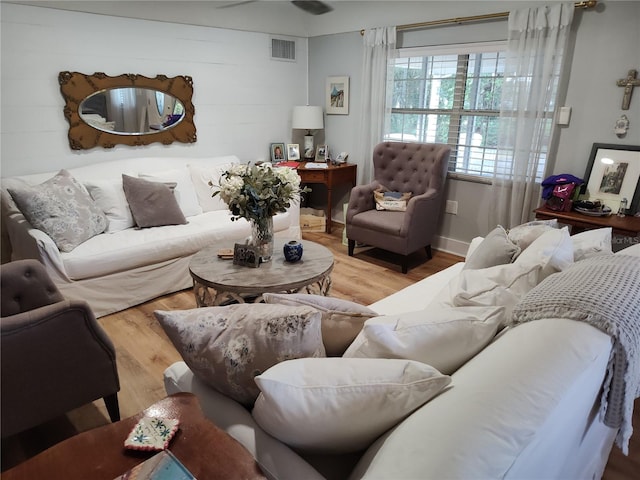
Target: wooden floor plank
<point x="144" y="350"/>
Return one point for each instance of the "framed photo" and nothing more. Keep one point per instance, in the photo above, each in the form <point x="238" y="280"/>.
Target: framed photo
<point x="321" y="153"/>
<point x="277" y="152"/>
<point x="293" y="151"/>
<point x="246" y="255"/>
<point x="337" y="97"/>
<point x="613" y="173"/>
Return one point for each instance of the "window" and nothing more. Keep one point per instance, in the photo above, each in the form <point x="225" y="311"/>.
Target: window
<point x="450" y="97"/>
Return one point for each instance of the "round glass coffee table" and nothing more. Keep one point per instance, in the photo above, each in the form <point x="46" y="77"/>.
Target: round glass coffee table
<point x="218" y="281"/>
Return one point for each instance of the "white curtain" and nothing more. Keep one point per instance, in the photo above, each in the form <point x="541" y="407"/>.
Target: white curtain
<point x="375" y="111"/>
<point x="535" y="55"/>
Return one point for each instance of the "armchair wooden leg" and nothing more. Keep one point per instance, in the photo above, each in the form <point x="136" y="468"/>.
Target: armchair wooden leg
<point x="405" y="264"/>
<point x="352" y="245"/>
<point x="111" y="402"/>
<point x="428" y="250"/>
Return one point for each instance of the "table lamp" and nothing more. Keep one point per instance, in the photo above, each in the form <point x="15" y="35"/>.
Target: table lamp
<point x="308" y="118"/>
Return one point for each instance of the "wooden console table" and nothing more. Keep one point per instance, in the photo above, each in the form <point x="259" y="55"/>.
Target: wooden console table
<point x="99" y="454"/>
<point x="331" y="176"/>
<point x="627" y="226"/>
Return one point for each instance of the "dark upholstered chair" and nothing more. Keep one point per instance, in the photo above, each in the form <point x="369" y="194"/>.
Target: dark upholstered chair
<point x="418" y="168"/>
<point x="55" y="355"/>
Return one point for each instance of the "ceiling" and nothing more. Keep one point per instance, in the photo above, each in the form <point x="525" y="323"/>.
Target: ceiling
<point x="278" y="16"/>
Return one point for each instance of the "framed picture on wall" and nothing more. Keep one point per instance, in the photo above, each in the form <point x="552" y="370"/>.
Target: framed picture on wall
<point x="337" y="96"/>
<point x="293" y="151"/>
<point x="613" y="173"/>
<point x="277" y="152"/>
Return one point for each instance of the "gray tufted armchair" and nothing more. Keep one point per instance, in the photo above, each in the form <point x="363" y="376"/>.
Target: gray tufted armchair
<point x="55" y="355"/>
<point x="419" y="168"/>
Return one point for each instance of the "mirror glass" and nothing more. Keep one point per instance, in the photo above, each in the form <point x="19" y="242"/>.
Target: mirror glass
<point x="131" y="111"/>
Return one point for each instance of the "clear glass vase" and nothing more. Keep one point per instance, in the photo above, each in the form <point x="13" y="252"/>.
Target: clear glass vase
<point x="262" y="237"/>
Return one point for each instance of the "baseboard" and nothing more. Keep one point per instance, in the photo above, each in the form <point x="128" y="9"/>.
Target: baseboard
<point x="451" y="245"/>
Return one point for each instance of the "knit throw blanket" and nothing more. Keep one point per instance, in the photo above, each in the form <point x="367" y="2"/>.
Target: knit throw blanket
<point x="603" y="291"/>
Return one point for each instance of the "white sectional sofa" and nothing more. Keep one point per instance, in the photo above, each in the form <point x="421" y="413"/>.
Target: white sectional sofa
<point x="126" y="266"/>
<point x="525" y="407"/>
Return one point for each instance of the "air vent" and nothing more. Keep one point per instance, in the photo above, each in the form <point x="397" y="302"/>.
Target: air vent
<point x="282" y="49"/>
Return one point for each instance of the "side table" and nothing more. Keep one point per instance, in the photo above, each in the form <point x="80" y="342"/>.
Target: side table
<point x="627" y="226"/>
<point x="98" y="454"/>
<point x="331" y="176"/>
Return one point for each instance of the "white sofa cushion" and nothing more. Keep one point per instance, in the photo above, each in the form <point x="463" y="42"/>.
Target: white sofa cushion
<point x="184" y="192"/>
<point x="591" y="243"/>
<point x="342" y="320"/>
<point x="201" y="175"/>
<point x="524" y="235"/>
<point x="228" y="346"/>
<point x="553" y="251"/>
<point x="341" y="404"/>
<point x="110" y="197"/>
<point x="441" y="336"/>
<point x="633" y="250"/>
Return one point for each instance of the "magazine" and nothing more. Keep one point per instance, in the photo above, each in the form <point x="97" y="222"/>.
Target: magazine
<point x="162" y="466"/>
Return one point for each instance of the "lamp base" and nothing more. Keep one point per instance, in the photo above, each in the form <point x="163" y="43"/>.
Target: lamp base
<point x="309" y="153"/>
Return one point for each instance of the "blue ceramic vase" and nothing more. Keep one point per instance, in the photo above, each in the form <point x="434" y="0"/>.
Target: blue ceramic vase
<point x="292" y="251"/>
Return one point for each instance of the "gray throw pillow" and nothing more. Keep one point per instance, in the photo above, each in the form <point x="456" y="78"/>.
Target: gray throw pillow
<point x="495" y="249"/>
<point x="152" y="204"/>
<point x="62" y="208"/>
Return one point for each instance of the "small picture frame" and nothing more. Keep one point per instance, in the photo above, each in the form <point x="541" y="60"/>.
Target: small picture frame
<point x="337" y="96"/>
<point x="321" y="153"/>
<point x="246" y="255"/>
<point x="293" y="151"/>
<point x="277" y="152"/>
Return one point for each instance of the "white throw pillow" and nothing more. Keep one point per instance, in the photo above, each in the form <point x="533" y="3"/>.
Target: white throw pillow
<point x="633" y="250"/>
<point x="591" y="243"/>
<point x="494" y="249"/>
<point x="553" y="251"/>
<point x="341" y="404"/>
<point x="441" y="336"/>
<point x="110" y="197"/>
<point x="524" y="235"/>
<point x="201" y="176"/>
<point x="184" y="192"/>
<point x="342" y="320"/>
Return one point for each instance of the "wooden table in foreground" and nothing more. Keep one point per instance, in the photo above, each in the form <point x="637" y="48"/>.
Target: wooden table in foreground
<point x="218" y="282"/>
<point x="331" y="176"/>
<point x="627" y="226"/>
<point x="98" y="454"/>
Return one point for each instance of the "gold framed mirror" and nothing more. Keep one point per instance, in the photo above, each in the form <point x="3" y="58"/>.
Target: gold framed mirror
<point x="127" y="110"/>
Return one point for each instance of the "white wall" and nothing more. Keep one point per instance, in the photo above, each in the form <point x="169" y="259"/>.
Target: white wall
<point x="605" y="46"/>
<point x="242" y="99"/>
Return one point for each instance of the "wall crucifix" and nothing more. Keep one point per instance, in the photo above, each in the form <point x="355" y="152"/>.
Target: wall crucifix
<point x="628" y="84"/>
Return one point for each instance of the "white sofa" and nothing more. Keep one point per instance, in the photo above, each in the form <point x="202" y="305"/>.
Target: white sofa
<point x="525" y="407"/>
<point x="114" y="271"/>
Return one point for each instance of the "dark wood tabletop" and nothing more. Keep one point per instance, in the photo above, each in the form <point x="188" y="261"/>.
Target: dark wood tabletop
<point x="99" y="454"/>
<point x="627" y="225"/>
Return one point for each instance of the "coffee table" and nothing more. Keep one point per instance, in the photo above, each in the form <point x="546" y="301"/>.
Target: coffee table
<point x="220" y="282"/>
<point x="98" y="454"/>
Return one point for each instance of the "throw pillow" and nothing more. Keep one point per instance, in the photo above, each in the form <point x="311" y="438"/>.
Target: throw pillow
<point x="110" y="197"/>
<point x="633" y="250"/>
<point x="201" y="176"/>
<point x="226" y="347"/>
<point x="341" y="405"/>
<point x="591" y="243"/>
<point x="342" y="320"/>
<point x="495" y="249"/>
<point x="441" y="336"/>
<point x="152" y="203"/>
<point x="393" y="201"/>
<point x="523" y="235"/>
<point x="62" y="208"/>
<point x="553" y="251"/>
<point x="184" y="192"/>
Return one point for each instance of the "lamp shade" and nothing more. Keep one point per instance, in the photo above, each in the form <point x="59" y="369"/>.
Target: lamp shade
<point x="307" y="118"/>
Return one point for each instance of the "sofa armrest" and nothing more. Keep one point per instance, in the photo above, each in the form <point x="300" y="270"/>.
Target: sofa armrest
<point x="361" y="199"/>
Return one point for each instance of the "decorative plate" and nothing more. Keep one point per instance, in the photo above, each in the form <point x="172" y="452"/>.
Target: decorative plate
<point x="594" y="213"/>
<point x="152" y="433"/>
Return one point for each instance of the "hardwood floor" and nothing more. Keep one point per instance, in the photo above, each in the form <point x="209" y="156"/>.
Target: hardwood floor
<point x="144" y="351"/>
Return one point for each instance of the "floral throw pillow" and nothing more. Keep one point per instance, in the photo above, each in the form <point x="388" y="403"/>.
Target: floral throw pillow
<point x="62" y="208"/>
<point x="226" y="347"/>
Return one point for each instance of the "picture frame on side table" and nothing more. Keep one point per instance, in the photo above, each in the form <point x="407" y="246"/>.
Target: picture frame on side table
<point x="613" y="173"/>
<point x="293" y="151"/>
<point x="337" y="96"/>
<point x="321" y="153"/>
<point x="277" y="152"/>
<point x="246" y="255"/>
